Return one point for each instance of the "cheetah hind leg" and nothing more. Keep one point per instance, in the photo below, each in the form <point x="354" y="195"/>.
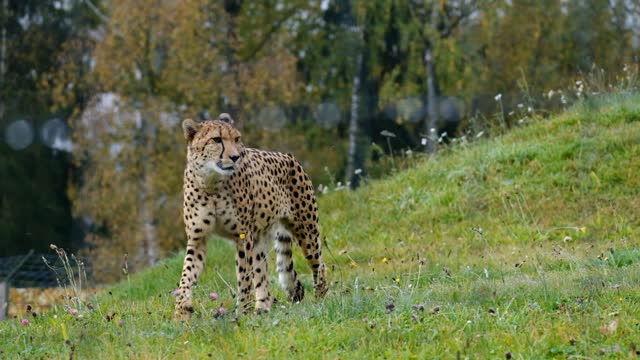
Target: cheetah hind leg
<point x="287" y="276"/>
<point x="312" y="250"/>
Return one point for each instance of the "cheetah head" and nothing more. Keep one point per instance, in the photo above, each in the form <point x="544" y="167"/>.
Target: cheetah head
<point x="214" y="146"/>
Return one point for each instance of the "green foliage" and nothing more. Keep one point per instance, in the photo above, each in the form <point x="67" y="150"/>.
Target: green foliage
<point x="525" y="244"/>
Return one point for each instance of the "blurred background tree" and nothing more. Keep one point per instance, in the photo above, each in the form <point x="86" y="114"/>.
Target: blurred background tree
<point x="35" y="165"/>
<point x="329" y="80"/>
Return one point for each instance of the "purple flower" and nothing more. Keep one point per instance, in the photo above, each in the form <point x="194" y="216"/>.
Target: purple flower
<point x="222" y="311"/>
<point x="213" y="296"/>
<point x="177" y="292"/>
<point x="25" y="322"/>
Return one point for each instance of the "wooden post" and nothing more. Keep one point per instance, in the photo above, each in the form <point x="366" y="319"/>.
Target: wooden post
<point x="4" y="299"/>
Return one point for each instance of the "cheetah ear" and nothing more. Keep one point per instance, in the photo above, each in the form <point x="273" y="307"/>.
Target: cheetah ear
<point x="190" y="128"/>
<point x="226" y="118"/>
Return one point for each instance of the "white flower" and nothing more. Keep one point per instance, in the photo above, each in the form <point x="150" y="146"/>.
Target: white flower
<point x="423" y="141"/>
<point x="480" y="134"/>
<point x="520" y="106"/>
<point x="498" y="97"/>
<point x="529" y="109"/>
<point x="358" y="171"/>
<point x="550" y="94"/>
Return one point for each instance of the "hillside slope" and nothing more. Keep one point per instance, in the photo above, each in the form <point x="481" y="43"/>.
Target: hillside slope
<point x="521" y="246"/>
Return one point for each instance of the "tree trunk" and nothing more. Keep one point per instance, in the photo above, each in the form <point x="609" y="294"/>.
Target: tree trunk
<point x="3" y="41"/>
<point x="149" y="247"/>
<point x="3" y="52"/>
<point x="150" y="238"/>
<point x="354" y="126"/>
<point x="431" y="122"/>
<point x="234" y="107"/>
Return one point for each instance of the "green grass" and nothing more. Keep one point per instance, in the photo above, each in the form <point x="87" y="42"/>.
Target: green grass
<point x="526" y="244"/>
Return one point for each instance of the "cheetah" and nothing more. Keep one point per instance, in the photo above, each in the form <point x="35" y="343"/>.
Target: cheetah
<point x="249" y="196"/>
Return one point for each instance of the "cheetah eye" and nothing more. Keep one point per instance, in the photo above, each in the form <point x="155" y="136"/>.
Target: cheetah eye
<point x="238" y="139"/>
<point x="217" y="139"/>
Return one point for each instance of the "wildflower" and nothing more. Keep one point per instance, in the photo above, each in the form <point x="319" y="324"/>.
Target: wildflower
<point x="352" y="264"/>
<point x="358" y="171"/>
<point x="222" y="311"/>
<point x="387" y="133"/>
<point x="520" y="106"/>
<point x="73" y="312"/>
<point x="529" y="109"/>
<point x="177" y="292"/>
<point x="397" y="280"/>
<point x="242" y="236"/>
<point x="385" y="260"/>
<point x="25" y="322"/>
<point x="498" y="97"/>
<point x="423" y="141"/>
<point x="550" y="94"/>
<point x="609" y="329"/>
<point x="213" y="296"/>
<point x="583" y="229"/>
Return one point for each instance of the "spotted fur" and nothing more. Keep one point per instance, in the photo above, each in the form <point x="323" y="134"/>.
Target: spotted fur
<point x="251" y="197"/>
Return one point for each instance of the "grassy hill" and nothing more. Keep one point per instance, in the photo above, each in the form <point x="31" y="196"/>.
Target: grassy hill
<point x="522" y="246"/>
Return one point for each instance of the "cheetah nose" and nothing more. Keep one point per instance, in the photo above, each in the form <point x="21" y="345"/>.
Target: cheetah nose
<point x="234" y="158"/>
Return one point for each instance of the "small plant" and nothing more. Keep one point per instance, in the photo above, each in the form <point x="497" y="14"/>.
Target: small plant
<point x="72" y="276"/>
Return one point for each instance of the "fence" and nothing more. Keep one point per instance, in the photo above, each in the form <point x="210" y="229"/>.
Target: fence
<point x="26" y="271"/>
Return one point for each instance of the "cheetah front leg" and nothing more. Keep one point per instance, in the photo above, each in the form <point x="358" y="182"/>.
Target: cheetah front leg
<point x="191" y="270"/>
<point x="244" y="272"/>
<point x="260" y="274"/>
